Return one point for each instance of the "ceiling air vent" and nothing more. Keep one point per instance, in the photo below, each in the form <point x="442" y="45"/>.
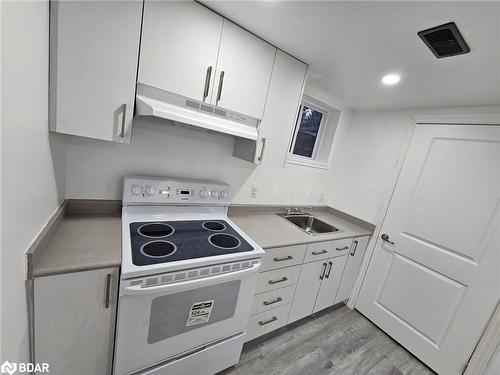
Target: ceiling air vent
<point x="444" y="40"/>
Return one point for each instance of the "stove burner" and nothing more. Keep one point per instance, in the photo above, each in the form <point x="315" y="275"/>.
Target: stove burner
<point x="158" y="249"/>
<point x="224" y="241"/>
<point x="155" y="230"/>
<point x="213" y="225"/>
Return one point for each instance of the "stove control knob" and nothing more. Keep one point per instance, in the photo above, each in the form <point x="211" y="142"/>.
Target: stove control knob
<point x="150" y="190"/>
<point x="204" y="193"/>
<point x="215" y="193"/>
<point x="136" y="190"/>
<point x="223" y="194"/>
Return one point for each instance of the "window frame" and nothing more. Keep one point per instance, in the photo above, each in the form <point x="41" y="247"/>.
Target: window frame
<point x="305" y="160"/>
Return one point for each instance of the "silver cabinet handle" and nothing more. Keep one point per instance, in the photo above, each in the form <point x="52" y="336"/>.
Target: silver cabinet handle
<point x="385" y="237"/>
<point x="122" y="132"/>
<point x="323" y="271"/>
<point x="342" y="248"/>
<point x="267" y="303"/>
<point x="319" y="252"/>
<point x="261" y="156"/>
<point x="355" y="247"/>
<point x="207" y="83"/>
<point x="289" y="257"/>
<point x="107" y="301"/>
<point x="264" y="322"/>
<point x="219" y="91"/>
<point x="330" y="264"/>
<point x="284" y="278"/>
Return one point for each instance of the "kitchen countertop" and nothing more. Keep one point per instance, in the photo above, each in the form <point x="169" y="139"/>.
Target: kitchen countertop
<point x="270" y="230"/>
<point x="80" y="241"/>
<point x="86" y="235"/>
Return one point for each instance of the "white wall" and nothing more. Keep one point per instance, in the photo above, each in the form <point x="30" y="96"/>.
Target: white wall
<point x="367" y="153"/>
<point x="95" y="169"/>
<point x="29" y="191"/>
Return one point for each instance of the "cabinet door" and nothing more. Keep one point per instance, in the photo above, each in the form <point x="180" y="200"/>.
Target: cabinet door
<point x="330" y="283"/>
<point x="74" y="321"/>
<point x="243" y="72"/>
<point x="179" y="46"/>
<point x="280" y="114"/>
<point x="307" y="289"/>
<point x="352" y="268"/>
<point x="93" y="67"/>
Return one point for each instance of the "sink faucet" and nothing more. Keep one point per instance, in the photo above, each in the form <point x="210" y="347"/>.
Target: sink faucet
<point x="298" y="210"/>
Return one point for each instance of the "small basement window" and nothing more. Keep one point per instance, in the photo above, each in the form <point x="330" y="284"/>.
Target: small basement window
<point x="313" y="135"/>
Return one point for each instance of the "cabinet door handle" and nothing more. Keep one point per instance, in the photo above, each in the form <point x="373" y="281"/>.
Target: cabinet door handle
<point x="323" y="271"/>
<point x="219" y="91"/>
<point x="330" y="264"/>
<point x="284" y="278"/>
<point x="342" y="248"/>
<point x="261" y="156"/>
<point x="122" y="132"/>
<point x="264" y="322"/>
<point x="107" y="301"/>
<point x="289" y="257"/>
<point x="207" y="82"/>
<point x="319" y="252"/>
<point x="355" y="247"/>
<point x="267" y="303"/>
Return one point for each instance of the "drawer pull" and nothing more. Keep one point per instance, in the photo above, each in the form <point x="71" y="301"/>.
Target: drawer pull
<point x="342" y="248"/>
<point x="267" y="303"/>
<point x="319" y="252"/>
<point x="264" y="322"/>
<point x="289" y="257"/>
<point x="284" y="278"/>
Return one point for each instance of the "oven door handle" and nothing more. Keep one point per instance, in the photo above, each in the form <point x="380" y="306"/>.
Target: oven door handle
<point x="183" y="285"/>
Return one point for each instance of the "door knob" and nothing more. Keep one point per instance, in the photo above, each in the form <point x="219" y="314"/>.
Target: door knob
<point x="385" y="237"/>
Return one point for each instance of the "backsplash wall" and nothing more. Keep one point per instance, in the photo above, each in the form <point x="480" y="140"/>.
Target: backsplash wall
<point x="95" y="169"/>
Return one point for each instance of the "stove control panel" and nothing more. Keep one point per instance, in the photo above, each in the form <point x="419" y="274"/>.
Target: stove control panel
<point x="156" y="190"/>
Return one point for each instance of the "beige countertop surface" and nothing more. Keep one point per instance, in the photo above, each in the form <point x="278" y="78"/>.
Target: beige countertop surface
<point x="79" y="239"/>
<point x="81" y="242"/>
<point x="270" y="230"/>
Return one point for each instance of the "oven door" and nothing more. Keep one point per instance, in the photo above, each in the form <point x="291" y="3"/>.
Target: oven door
<point x="160" y="322"/>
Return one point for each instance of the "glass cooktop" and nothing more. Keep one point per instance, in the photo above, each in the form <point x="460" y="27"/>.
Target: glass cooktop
<point x="171" y="241"/>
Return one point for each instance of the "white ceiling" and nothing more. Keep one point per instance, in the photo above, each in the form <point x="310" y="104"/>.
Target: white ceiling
<point x="351" y="45"/>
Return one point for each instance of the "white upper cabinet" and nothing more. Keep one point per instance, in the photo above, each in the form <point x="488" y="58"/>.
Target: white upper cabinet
<point x="243" y="71"/>
<point x="179" y="47"/>
<point x="93" y="67"/>
<point x="188" y="50"/>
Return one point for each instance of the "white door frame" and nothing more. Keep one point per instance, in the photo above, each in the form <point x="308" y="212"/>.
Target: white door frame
<point x="483" y="353"/>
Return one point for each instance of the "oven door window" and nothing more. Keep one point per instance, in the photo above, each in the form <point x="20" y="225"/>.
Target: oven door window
<point x="174" y="314"/>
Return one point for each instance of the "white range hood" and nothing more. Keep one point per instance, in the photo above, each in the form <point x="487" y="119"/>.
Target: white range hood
<point x="158" y="103"/>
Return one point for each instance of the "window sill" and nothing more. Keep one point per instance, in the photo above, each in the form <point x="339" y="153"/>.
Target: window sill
<point x="306" y="162"/>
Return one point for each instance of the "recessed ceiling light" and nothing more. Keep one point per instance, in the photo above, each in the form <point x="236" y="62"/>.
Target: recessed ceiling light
<point x="391" y="79"/>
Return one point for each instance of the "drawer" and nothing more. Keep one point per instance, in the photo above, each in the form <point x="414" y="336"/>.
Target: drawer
<point x="276" y="279"/>
<point x="341" y="247"/>
<point x="266" y="321"/>
<point x="280" y="257"/>
<point x="318" y="251"/>
<point x="272" y="299"/>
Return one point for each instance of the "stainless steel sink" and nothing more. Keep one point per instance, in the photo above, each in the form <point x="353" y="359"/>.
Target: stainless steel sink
<point x="309" y="224"/>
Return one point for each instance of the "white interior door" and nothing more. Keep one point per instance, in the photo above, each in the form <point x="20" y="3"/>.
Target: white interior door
<point x="435" y="287"/>
<point x="179" y="46"/>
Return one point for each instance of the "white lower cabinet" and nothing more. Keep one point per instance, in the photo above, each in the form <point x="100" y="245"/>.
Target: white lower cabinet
<point x="74" y="320"/>
<point x="266" y="321"/>
<point x="296" y="281"/>
<point x="352" y="268"/>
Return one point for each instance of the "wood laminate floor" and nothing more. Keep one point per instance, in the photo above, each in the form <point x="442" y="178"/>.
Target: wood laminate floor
<point x="340" y="341"/>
